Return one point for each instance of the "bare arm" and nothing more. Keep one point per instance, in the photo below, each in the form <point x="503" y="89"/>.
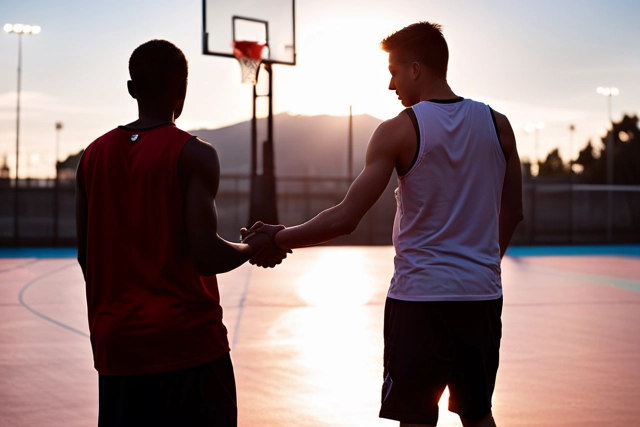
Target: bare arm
<point x="82" y="208"/>
<point x="199" y="171"/>
<point x="381" y="157"/>
<point x="511" y="201"/>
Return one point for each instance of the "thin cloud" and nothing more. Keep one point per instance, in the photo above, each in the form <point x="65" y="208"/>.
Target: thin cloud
<point x="35" y="103"/>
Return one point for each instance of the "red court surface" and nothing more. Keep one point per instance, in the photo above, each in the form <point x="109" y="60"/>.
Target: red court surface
<point x="307" y="341"/>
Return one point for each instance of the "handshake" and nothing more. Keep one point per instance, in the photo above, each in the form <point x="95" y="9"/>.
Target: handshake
<point x="263" y="238"/>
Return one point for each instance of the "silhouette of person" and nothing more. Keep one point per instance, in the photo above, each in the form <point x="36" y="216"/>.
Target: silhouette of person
<point x="459" y="200"/>
<point x="149" y="251"/>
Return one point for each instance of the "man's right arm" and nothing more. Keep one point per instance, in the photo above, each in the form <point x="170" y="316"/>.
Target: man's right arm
<point x="199" y="169"/>
<point x="383" y="152"/>
<point x="511" y="201"/>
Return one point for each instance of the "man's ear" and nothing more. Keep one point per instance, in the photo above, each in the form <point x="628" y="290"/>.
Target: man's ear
<point x="130" y="89"/>
<point x="415" y="69"/>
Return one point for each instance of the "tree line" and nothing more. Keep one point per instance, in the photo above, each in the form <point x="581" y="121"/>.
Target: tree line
<point x="590" y="167"/>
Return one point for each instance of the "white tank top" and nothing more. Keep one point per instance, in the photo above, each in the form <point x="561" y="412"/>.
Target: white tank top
<point x="445" y="231"/>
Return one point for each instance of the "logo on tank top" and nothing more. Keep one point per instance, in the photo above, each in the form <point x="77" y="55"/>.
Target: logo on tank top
<point x="134" y="138"/>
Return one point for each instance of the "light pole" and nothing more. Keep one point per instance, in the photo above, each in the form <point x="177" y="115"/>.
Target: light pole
<point x="59" y="126"/>
<point x="350" y="147"/>
<point x="609" y="92"/>
<point x="572" y="129"/>
<point x="56" y="195"/>
<point x="535" y="129"/>
<point x="18" y="29"/>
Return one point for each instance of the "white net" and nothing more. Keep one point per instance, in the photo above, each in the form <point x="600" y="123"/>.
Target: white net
<point x="249" y="68"/>
<point x="249" y="55"/>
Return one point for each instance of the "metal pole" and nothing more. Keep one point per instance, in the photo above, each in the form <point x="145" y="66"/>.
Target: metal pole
<point x="255" y="189"/>
<point x="350" y="154"/>
<point x="263" y="192"/>
<point x="535" y="148"/>
<point x="269" y="195"/>
<point x="56" y="195"/>
<point x="254" y="136"/>
<point x="269" y="164"/>
<point x="610" y="175"/>
<point x="572" y="128"/>
<point x="610" y="148"/>
<point x="534" y="191"/>
<point x="16" y="200"/>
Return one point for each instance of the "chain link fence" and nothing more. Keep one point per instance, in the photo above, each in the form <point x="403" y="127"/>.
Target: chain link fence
<point x="555" y="213"/>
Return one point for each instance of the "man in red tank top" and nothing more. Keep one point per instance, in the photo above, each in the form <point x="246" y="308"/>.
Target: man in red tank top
<point x="149" y="251"/>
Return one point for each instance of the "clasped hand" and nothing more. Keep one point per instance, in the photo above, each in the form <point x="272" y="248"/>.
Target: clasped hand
<point x="263" y="236"/>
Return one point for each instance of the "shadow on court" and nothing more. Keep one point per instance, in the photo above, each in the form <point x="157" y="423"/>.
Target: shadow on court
<point x="307" y="340"/>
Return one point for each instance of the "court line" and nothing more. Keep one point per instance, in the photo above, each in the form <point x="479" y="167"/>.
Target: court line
<point x="37" y="313"/>
<point x="15" y="267"/>
<point x="236" y="330"/>
<point x="618" y="282"/>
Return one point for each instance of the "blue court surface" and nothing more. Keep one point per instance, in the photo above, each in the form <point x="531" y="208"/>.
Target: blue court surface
<point x="515" y="251"/>
<point x="306" y="338"/>
<point x="38" y="252"/>
<point x="574" y="250"/>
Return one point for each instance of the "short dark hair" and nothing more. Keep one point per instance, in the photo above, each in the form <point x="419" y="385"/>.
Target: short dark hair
<point x="156" y="67"/>
<point x="422" y="42"/>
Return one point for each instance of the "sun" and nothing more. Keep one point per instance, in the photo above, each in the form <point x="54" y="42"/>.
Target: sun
<point x="340" y="64"/>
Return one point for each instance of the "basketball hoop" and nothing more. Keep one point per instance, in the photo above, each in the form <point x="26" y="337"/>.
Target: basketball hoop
<point x="249" y="55"/>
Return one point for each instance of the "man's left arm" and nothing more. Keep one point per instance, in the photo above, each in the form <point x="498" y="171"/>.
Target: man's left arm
<point x="511" y="200"/>
<point x="82" y="213"/>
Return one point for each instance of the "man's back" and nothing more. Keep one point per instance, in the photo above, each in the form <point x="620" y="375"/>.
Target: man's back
<point x="446" y="227"/>
<point x="149" y="309"/>
<point x="149" y="249"/>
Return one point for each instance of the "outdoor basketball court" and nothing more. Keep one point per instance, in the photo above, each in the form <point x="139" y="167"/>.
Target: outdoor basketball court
<point x="307" y="339"/>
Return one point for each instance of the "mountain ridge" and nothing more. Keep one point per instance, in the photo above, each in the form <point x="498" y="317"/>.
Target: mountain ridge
<point x="303" y="145"/>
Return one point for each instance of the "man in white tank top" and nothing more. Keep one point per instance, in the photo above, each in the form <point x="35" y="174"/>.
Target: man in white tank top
<point x="459" y="199"/>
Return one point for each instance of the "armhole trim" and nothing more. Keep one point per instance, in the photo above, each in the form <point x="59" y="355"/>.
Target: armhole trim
<point x="495" y="125"/>
<point x="416" y="127"/>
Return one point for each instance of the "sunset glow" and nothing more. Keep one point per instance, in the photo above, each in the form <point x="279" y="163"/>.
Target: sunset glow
<point x="342" y="65"/>
<point x="339" y="279"/>
<point x="499" y="54"/>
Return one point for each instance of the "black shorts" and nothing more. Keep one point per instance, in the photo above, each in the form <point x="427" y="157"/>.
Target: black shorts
<point x="431" y="345"/>
<point x="200" y="396"/>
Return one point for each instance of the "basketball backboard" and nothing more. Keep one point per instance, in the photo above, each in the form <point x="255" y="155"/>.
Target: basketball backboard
<point x="272" y="22"/>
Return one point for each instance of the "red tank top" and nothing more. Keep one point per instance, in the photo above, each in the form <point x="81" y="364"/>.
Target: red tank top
<point x="149" y="309"/>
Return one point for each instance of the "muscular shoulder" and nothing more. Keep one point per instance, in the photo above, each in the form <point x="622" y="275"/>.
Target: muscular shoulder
<point x="394" y="140"/>
<point x="507" y="137"/>
<point x="394" y="133"/>
<point x="199" y="157"/>
<point x="400" y="126"/>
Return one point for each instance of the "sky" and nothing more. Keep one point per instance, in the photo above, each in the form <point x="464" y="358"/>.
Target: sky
<point x="535" y="61"/>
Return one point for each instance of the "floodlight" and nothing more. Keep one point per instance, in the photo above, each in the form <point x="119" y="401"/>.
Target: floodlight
<point x="607" y="91"/>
